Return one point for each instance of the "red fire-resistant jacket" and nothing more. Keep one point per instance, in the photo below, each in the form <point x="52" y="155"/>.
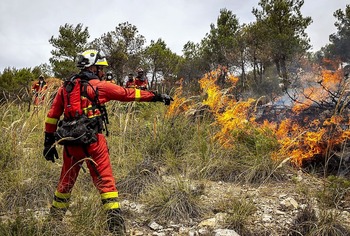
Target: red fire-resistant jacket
<point x="38" y="91"/>
<point x="141" y="84"/>
<point x="106" y="91"/>
<point x="39" y="86"/>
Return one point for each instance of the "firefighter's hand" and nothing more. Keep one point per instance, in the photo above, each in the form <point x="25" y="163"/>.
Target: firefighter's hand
<point x="50" y="152"/>
<point x="162" y="98"/>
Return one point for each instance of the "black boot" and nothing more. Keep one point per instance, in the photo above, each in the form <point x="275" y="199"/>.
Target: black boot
<point x="115" y="222"/>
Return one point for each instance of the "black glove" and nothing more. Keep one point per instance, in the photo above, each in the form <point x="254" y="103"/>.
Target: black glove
<point x="50" y="152"/>
<point x="162" y="98"/>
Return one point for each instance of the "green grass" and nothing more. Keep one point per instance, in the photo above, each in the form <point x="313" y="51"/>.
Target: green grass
<point x="157" y="161"/>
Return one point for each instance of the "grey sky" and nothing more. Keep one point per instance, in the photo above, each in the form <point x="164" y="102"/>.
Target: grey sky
<point x="26" y="26"/>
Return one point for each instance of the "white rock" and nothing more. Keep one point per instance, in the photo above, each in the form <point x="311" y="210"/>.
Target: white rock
<point x="208" y="223"/>
<point x="225" y="232"/>
<point x="155" y="226"/>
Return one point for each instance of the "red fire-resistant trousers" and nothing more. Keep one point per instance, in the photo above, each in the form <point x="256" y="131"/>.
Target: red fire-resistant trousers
<point x="99" y="166"/>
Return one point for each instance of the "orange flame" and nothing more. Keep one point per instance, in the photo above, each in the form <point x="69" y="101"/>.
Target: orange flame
<point x="298" y="142"/>
<point x="180" y="103"/>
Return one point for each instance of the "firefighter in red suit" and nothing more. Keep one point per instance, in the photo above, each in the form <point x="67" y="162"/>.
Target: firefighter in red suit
<point x="91" y="63"/>
<point x="38" y="89"/>
<point x="131" y="82"/>
<point x="141" y="81"/>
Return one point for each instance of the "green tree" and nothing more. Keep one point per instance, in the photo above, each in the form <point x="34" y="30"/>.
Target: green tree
<point x="7" y="79"/>
<point x="71" y="41"/>
<point x="340" y="41"/>
<point x="161" y="61"/>
<point x="123" y="47"/>
<point x="192" y="65"/>
<point x="241" y="51"/>
<point x="43" y="69"/>
<point x="257" y="52"/>
<point x="285" y="31"/>
<point x="15" y="84"/>
<point x="219" y="47"/>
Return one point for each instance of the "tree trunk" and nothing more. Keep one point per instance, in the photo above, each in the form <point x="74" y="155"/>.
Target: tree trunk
<point x="243" y="70"/>
<point x="284" y="68"/>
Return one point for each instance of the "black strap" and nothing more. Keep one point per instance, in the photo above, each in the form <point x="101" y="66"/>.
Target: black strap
<point x="96" y="104"/>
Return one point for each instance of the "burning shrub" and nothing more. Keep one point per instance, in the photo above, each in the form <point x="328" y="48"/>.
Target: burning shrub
<point x="313" y="127"/>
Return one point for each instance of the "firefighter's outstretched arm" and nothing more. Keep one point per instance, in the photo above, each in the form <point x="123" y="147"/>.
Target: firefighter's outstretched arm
<point x="109" y="91"/>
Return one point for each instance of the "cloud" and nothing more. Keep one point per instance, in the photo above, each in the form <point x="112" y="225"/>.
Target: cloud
<point x="26" y="26"/>
<point x="323" y="20"/>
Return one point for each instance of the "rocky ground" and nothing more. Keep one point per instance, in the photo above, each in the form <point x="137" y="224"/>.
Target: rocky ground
<point x="277" y="206"/>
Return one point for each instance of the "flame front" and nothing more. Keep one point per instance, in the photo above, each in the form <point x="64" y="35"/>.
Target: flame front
<point x="299" y="141"/>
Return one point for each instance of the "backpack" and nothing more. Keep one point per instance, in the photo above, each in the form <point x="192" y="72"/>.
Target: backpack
<point x="84" y="117"/>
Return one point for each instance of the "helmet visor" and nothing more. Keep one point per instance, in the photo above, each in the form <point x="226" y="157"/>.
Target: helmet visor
<point x="101" y="59"/>
<point x="100" y="55"/>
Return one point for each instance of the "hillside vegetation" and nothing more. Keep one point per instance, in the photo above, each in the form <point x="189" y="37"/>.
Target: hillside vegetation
<point x="178" y="166"/>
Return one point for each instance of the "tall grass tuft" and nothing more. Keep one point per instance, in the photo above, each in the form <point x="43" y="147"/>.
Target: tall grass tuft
<point x="325" y="223"/>
<point x="172" y="201"/>
<point x="335" y="191"/>
<point x="239" y="213"/>
<point x="138" y="179"/>
<point x="304" y="222"/>
<point x="329" y="223"/>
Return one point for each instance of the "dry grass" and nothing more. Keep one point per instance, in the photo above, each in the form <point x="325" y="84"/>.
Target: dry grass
<point x="238" y="211"/>
<point x="330" y="224"/>
<point x="334" y="192"/>
<point x="172" y="201"/>
<point x="138" y="179"/>
<point x="146" y="149"/>
<point x="325" y="223"/>
<point x="304" y="223"/>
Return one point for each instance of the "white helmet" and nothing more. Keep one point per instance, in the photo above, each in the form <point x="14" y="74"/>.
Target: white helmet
<point x="91" y="57"/>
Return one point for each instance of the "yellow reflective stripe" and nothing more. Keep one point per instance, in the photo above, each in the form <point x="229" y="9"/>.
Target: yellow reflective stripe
<point x="109" y="195"/>
<point x="137" y="94"/>
<point x="60" y="205"/>
<point x="85" y="108"/>
<point x="111" y="205"/>
<point x="52" y="121"/>
<point x="62" y="195"/>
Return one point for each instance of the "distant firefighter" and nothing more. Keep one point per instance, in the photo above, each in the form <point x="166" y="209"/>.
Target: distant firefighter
<point x="110" y="77"/>
<point x="37" y="89"/>
<point x="131" y="82"/>
<point x="141" y="81"/>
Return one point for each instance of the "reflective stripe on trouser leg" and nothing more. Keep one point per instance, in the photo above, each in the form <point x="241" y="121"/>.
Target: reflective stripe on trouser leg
<point x="61" y="200"/>
<point x="110" y="200"/>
